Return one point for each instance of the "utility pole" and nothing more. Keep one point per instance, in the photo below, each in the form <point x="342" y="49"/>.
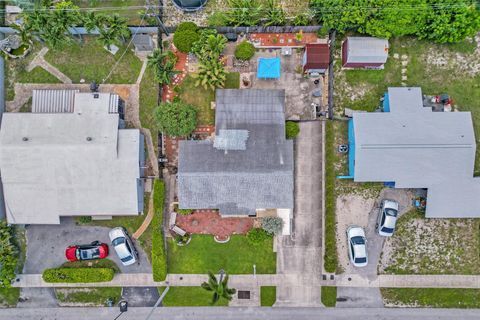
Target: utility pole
<point x="164" y="293"/>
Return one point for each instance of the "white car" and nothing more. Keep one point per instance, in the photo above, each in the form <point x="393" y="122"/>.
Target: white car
<point x="357" y="246"/>
<point x="123" y="246"/>
<point x="387" y="218"/>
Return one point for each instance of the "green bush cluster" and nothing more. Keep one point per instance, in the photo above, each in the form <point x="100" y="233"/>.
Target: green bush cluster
<point x="78" y="275"/>
<point x="184" y="212"/>
<point x="8" y="255"/>
<point x="272" y="225"/>
<point x="257" y="236"/>
<point x="244" y="51"/>
<point x="176" y="118"/>
<point x="159" y="259"/>
<point x="292" y="129"/>
<point x="185" y="36"/>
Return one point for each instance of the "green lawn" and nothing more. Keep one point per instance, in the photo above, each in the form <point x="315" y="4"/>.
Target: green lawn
<point x="233" y="80"/>
<point x="268" y="296"/>
<point x="148" y="103"/>
<point x="37" y="75"/>
<point x="329" y="296"/>
<point x="189" y="297"/>
<point x="203" y="254"/>
<point x="133" y="15"/>
<point x="89" y="296"/>
<point x="432" y="297"/>
<point x="9" y="297"/>
<point x="90" y="61"/>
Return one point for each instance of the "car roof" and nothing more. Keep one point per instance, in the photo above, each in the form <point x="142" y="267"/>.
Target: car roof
<point x="355" y="231"/>
<point x="389" y="221"/>
<point x="390" y="204"/>
<point x="360" y="251"/>
<point x="116" y="233"/>
<point x="122" y="250"/>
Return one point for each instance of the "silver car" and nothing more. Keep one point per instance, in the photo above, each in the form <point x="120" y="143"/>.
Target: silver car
<point x="357" y="246"/>
<point x="123" y="246"/>
<point x="387" y="218"/>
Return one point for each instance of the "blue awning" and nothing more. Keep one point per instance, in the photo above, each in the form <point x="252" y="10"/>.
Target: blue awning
<point x="268" y="68"/>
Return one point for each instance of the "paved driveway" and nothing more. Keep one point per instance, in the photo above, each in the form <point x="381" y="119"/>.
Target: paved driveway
<point x="301" y="254"/>
<point x="140" y="296"/>
<point x="46" y="246"/>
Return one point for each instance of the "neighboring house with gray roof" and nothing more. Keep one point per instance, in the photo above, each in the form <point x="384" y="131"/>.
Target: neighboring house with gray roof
<point x="249" y="164"/>
<point x="72" y="161"/>
<point x="415" y="147"/>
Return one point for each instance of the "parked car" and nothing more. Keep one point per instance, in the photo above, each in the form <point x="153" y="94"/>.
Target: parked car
<point x="357" y="246"/>
<point x="123" y="246"/>
<point x="387" y="218"/>
<point x="94" y="250"/>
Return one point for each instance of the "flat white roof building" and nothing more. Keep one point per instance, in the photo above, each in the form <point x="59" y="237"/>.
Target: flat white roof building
<point x="70" y="163"/>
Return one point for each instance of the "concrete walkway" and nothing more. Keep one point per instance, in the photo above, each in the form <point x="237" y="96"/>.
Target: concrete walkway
<point x="39" y="61"/>
<point x="148" y="219"/>
<point x="382" y="281"/>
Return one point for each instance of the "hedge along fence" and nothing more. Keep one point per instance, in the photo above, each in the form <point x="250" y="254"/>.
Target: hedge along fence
<point x="159" y="258"/>
<point x="78" y="275"/>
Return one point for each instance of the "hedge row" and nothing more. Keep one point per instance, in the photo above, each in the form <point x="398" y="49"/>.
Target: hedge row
<point x="330" y="260"/>
<point x="159" y="259"/>
<point x="78" y="275"/>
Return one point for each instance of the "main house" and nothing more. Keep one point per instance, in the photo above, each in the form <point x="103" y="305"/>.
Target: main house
<point x="412" y="146"/>
<point x="248" y="166"/>
<point x="70" y="157"/>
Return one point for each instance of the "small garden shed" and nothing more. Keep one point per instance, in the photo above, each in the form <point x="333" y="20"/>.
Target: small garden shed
<point x="316" y="58"/>
<point x="364" y="52"/>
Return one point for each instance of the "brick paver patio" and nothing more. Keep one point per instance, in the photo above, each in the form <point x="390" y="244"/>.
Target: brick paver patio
<point x="210" y="222"/>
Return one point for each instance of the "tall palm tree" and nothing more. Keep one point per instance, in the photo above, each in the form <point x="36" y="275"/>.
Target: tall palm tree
<point x="163" y="64"/>
<point x="220" y="288"/>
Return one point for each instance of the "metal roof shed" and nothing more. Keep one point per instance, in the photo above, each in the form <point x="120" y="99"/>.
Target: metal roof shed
<point x="316" y="57"/>
<point x="364" y="52"/>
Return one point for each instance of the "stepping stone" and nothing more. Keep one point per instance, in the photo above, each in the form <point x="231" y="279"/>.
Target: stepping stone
<point x="404" y="84"/>
<point x="404" y="78"/>
<point x="404" y="63"/>
<point x="404" y="71"/>
<point x="396" y="55"/>
<point x="404" y="57"/>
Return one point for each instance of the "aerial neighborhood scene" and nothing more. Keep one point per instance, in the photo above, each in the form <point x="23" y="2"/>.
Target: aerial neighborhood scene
<point x="239" y="159"/>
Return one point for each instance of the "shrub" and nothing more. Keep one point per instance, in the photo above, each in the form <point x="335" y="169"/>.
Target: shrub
<point x="184" y="40"/>
<point x="187" y="26"/>
<point x="8" y="255"/>
<point x="292" y="129"/>
<point x="184" y="212"/>
<point x="244" y="51"/>
<point x="272" y="225"/>
<point x="78" y="275"/>
<point x="85" y="219"/>
<point x="217" y="19"/>
<point x="159" y="259"/>
<point x="257" y="236"/>
<point x="176" y="118"/>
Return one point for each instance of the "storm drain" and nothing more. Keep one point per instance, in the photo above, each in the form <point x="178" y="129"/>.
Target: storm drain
<point x="243" y="294"/>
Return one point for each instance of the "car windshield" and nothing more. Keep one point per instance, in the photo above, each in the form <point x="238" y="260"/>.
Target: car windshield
<point x="360" y="260"/>
<point x="118" y="241"/>
<point x="358" y="240"/>
<point x="387" y="230"/>
<point x="391" y="212"/>
<point x="127" y="258"/>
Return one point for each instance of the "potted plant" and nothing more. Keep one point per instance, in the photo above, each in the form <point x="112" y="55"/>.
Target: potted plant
<point x="299" y="36"/>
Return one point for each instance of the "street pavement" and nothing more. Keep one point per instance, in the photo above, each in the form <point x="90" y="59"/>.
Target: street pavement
<point x="301" y="254"/>
<point x="226" y="313"/>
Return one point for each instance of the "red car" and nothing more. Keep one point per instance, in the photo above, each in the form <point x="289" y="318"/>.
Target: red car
<point x="95" y="250"/>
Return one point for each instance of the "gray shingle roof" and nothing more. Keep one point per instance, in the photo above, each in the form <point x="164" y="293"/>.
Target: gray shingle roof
<point x="240" y="181"/>
<point x="367" y="50"/>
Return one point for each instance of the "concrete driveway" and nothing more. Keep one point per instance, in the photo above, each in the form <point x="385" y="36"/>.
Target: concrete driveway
<point x="46" y="246"/>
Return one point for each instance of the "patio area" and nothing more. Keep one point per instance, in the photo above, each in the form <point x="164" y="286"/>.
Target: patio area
<point x="210" y="222"/>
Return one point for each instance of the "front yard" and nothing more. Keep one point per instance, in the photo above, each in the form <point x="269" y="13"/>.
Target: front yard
<point x="431" y="297"/>
<point x="92" y="297"/>
<point x="237" y="256"/>
<point x="189" y="297"/>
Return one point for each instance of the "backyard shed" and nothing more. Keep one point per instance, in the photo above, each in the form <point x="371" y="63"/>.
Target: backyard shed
<point x="316" y="58"/>
<point x="364" y="52"/>
<point x="143" y="42"/>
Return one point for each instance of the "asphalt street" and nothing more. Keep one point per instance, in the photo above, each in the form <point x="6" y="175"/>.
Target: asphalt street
<point x="231" y="313"/>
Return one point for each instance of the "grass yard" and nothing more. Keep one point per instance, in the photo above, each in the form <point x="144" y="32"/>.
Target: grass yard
<point x="148" y="103"/>
<point x="233" y="80"/>
<point x="88" y="296"/>
<point x="329" y="296"/>
<point x="237" y="256"/>
<point x="432" y="246"/>
<point x="9" y="297"/>
<point x="431" y="297"/>
<point x="268" y="296"/>
<point x="91" y="62"/>
<point x="37" y="75"/>
<point x="133" y="15"/>
<point x="189" y="297"/>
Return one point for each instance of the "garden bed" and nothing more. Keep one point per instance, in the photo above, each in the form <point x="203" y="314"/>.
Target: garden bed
<point x="88" y="297"/>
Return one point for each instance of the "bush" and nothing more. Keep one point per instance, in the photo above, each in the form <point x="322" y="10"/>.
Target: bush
<point x="184" y="212"/>
<point x="8" y="255"/>
<point x="292" y="129"/>
<point x="217" y="19"/>
<point x="244" y="51"/>
<point x="187" y="26"/>
<point x="176" y="118"/>
<point x="272" y="225"/>
<point x="184" y="40"/>
<point x="78" y="275"/>
<point x="85" y="219"/>
<point x="257" y="236"/>
<point x="159" y="259"/>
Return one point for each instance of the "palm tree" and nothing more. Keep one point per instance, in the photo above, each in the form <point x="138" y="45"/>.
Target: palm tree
<point x="275" y="16"/>
<point x="111" y="29"/>
<point x="220" y="288"/>
<point x="163" y="64"/>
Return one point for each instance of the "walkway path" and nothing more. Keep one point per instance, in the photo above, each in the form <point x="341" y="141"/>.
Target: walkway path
<point x="39" y="61"/>
<point x="148" y="219"/>
<point x="299" y="258"/>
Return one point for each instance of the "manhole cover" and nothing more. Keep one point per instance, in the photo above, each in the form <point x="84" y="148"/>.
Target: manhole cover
<point x="243" y="294"/>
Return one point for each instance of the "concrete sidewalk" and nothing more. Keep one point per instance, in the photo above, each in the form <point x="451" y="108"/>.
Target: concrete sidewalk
<point x="382" y="281"/>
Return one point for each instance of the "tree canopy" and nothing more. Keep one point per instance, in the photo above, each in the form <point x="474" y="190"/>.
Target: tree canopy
<point x="176" y="118"/>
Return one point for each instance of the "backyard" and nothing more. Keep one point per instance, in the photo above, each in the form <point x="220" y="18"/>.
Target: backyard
<point x="120" y="7"/>
<point x="237" y="256"/>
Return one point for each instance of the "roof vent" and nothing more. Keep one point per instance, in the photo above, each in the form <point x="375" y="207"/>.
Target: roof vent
<point x="25" y="139"/>
<point x="89" y="138"/>
<point x="96" y="95"/>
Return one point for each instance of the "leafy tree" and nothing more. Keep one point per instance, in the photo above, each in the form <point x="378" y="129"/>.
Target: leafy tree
<point x="112" y="29"/>
<point x="272" y="225"/>
<point x="244" y="13"/>
<point x="291" y="129"/>
<point x="210" y="45"/>
<point x="184" y="40"/>
<point x="8" y="255"/>
<point x="341" y="14"/>
<point x="302" y="19"/>
<point x="163" y="64"/>
<point x="176" y="118"/>
<point x="257" y="236"/>
<point x="220" y="288"/>
<point x="211" y="74"/>
<point x="274" y="14"/>
<point x="244" y="51"/>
